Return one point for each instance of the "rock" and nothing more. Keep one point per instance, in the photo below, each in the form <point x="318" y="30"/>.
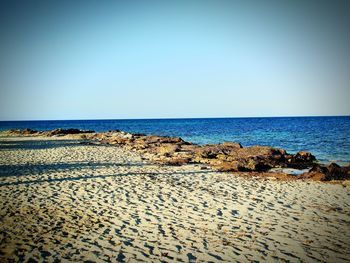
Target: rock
<point x="333" y="168"/>
<point x="118" y="140"/>
<point x="257" y="150"/>
<point x="138" y="135"/>
<point x="327" y="173"/>
<point x="210" y="151"/>
<point x="259" y="158"/>
<point x="98" y="136"/>
<point x="228" y="167"/>
<point x="28" y="131"/>
<point x="67" y="131"/>
<point x="175" y="161"/>
<point x="232" y="144"/>
<point x="316" y="176"/>
<point x="225" y="158"/>
<point x="22" y="132"/>
<point x="138" y="145"/>
<point x="121" y="134"/>
<point x="231" y="156"/>
<point x="189" y="150"/>
<point x="256" y="164"/>
<point x="207" y="151"/>
<point x="300" y="160"/>
<point x="304" y="157"/>
<point x="160" y="139"/>
<point x="167" y="149"/>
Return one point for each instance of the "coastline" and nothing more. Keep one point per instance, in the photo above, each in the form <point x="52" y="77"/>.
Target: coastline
<point x="325" y="137"/>
<point x="230" y="157"/>
<point x="61" y="199"/>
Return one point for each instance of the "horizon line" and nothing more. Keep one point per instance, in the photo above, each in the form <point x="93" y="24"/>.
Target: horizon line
<point x="183" y="118"/>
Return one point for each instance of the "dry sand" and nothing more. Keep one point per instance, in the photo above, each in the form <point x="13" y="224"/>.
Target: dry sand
<point x="65" y="201"/>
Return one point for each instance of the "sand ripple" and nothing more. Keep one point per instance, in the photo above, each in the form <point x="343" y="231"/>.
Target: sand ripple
<point x="62" y="200"/>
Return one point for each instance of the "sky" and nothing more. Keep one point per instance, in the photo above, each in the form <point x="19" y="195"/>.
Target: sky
<point x="173" y="59"/>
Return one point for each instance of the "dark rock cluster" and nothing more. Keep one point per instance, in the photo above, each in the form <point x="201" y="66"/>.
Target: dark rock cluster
<point x="327" y="173"/>
<point x="66" y="131"/>
<point x="227" y="156"/>
<point x="22" y="132"/>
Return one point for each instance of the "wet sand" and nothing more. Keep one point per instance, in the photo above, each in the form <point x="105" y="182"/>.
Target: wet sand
<point x="67" y="201"/>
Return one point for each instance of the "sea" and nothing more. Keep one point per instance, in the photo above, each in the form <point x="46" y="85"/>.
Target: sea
<point x="328" y="138"/>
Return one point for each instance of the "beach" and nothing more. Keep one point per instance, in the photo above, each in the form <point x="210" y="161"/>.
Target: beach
<point x="67" y="200"/>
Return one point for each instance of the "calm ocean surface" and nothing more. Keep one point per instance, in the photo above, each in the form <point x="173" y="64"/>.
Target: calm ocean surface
<point x="326" y="137"/>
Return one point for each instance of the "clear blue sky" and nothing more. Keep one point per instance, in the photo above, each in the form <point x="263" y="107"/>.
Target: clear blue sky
<point x="169" y="59"/>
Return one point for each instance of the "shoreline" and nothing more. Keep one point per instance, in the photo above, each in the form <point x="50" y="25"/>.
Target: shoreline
<point x="65" y="200"/>
<point x="326" y="138"/>
<point x="224" y="157"/>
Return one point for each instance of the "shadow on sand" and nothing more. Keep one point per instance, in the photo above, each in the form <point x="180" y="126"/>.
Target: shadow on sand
<point x="35" y="169"/>
<point x="37" y="145"/>
<point x="86" y="177"/>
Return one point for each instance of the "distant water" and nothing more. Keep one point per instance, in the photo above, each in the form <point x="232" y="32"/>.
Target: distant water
<point x="326" y="137"/>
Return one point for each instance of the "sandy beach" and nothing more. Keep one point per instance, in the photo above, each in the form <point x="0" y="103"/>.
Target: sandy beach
<point x="64" y="200"/>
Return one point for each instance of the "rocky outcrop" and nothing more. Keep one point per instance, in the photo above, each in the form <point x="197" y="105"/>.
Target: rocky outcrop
<point x="327" y="173"/>
<point x="177" y="161"/>
<point x="255" y="158"/>
<point x="66" y="132"/>
<point x="225" y="157"/>
<point x="23" y="132"/>
<point x="214" y="150"/>
<point x="299" y="160"/>
<point x="56" y="132"/>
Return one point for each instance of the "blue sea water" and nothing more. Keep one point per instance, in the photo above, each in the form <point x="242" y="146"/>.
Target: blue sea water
<point x="328" y="138"/>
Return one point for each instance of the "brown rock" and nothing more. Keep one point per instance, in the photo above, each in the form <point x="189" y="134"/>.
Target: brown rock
<point x="118" y="140"/>
<point x="28" y="132"/>
<point x="327" y="173"/>
<point x="316" y="176"/>
<point x="304" y="157"/>
<point x="300" y="160"/>
<point x="232" y="145"/>
<point x="67" y="131"/>
<point x="211" y="151"/>
<point x="228" y="167"/>
<point x="257" y="163"/>
<point x="22" y="132"/>
<point x="175" y="161"/>
<point x="208" y="151"/>
<point x="167" y="149"/>
<point x="160" y="139"/>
